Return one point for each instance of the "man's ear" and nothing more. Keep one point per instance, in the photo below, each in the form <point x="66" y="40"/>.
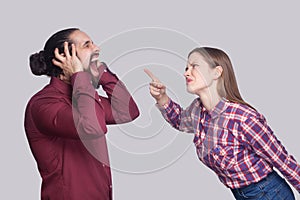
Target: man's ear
<point x="218" y="70"/>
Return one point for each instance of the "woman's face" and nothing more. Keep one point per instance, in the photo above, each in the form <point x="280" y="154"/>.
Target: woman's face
<point x="199" y="75"/>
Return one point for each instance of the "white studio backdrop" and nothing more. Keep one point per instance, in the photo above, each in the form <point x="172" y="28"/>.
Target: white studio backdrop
<point x="150" y="160"/>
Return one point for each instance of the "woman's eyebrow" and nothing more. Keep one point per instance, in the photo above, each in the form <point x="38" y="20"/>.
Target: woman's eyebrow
<point x="193" y="63"/>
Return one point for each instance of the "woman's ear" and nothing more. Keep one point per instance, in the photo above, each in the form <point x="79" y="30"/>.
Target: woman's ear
<point x="218" y="70"/>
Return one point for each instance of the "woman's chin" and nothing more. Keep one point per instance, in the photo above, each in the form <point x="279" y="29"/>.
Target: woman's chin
<point x="190" y="90"/>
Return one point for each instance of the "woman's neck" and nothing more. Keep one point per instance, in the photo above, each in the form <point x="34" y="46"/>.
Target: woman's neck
<point x="209" y="99"/>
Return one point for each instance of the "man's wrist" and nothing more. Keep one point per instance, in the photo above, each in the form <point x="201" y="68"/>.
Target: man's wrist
<point x="80" y="76"/>
<point x="105" y="75"/>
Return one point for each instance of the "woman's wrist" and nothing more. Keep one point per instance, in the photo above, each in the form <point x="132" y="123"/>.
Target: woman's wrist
<point x="163" y="100"/>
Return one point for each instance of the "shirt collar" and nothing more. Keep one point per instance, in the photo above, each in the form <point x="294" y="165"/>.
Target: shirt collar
<point x="219" y="108"/>
<point x="61" y="86"/>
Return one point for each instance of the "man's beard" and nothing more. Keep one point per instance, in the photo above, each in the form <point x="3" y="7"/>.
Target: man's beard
<point x="93" y="70"/>
<point x="93" y="66"/>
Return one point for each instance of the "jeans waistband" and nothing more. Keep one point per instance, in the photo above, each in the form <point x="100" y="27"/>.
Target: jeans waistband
<point x="262" y="183"/>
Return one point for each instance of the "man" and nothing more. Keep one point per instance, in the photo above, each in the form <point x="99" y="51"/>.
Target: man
<point x="65" y="122"/>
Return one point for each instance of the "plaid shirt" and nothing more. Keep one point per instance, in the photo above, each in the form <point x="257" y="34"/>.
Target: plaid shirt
<point x="234" y="141"/>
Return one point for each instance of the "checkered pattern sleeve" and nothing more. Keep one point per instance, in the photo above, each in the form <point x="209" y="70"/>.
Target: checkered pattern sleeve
<point x="266" y="145"/>
<point x="180" y="119"/>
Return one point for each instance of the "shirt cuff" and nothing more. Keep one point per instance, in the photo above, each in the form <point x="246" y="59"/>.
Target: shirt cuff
<point x="165" y="106"/>
<point x="80" y="76"/>
<point x="106" y="75"/>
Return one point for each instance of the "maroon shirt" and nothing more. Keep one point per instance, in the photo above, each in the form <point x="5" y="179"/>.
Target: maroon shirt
<point x="65" y="125"/>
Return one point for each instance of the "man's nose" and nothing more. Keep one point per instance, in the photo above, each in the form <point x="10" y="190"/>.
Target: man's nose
<point x="96" y="48"/>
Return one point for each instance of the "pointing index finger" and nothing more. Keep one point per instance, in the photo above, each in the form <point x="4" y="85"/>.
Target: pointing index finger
<point x="151" y="75"/>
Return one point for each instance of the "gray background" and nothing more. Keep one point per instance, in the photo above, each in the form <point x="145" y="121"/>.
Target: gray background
<point x="262" y="39"/>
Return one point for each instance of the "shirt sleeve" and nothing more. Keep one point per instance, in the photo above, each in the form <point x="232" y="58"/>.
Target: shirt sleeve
<point x="84" y="118"/>
<point x="267" y="146"/>
<point x="119" y="104"/>
<point x="180" y="119"/>
<point x="89" y="113"/>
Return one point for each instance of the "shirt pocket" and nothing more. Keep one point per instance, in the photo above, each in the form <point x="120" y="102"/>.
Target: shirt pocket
<point x="223" y="156"/>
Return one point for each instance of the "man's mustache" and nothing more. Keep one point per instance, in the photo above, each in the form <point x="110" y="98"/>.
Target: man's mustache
<point x="94" y="55"/>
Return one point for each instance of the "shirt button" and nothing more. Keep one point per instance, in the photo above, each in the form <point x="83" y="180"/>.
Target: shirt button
<point x="103" y="165"/>
<point x="110" y="186"/>
<point x="99" y="99"/>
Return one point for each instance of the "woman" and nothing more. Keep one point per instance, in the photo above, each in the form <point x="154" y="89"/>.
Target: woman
<point x="231" y="137"/>
<point x="67" y="120"/>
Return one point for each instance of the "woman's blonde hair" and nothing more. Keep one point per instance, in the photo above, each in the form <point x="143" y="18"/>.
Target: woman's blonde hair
<point x="227" y="85"/>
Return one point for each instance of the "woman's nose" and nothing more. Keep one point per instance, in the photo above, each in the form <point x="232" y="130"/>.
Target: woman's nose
<point x="187" y="72"/>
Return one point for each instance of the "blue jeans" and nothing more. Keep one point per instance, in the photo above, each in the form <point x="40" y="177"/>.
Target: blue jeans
<point x="272" y="187"/>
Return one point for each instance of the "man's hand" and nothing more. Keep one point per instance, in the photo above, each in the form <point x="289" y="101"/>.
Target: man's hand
<point x="157" y="89"/>
<point x="70" y="64"/>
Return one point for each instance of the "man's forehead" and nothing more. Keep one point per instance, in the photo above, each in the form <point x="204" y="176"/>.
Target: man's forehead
<point x="79" y="37"/>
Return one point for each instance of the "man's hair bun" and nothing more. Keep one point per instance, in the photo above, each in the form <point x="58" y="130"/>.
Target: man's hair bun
<point x="37" y="63"/>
